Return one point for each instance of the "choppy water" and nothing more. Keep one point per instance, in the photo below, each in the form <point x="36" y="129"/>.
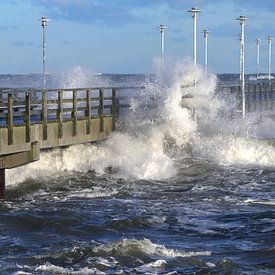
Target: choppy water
<point x="163" y="195"/>
<point x="208" y="218"/>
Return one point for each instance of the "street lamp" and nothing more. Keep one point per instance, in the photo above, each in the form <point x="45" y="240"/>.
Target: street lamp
<point x="258" y="41"/>
<point x="44" y="21"/>
<point x="205" y="34"/>
<point x="269" y="40"/>
<point x="162" y="28"/>
<point x="195" y="12"/>
<point x="242" y="24"/>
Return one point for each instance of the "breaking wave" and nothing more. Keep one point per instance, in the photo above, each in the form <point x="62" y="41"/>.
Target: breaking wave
<point x="170" y="120"/>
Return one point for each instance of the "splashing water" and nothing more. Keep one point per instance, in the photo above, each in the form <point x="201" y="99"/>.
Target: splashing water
<point x="79" y="77"/>
<point x="154" y="137"/>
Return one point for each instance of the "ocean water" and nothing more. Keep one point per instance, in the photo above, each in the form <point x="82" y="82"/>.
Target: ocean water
<point x="170" y="192"/>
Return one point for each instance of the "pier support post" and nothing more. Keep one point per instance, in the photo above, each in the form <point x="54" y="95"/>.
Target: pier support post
<point x="10" y="119"/>
<point x="2" y="183"/>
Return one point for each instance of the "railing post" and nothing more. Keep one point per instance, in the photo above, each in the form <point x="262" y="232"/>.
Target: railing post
<point x="2" y="183"/>
<point x="44" y="116"/>
<point x="10" y="119"/>
<point x="114" y="109"/>
<point x="88" y="112"/>
<point x="74" y="113"/>
<point x="101" y="110"/>
<point x="28" y="116"/>
<point x="60" y="114"/>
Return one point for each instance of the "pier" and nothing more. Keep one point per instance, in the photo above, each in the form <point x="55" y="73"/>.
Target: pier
<point x="259" y="96"/>
<point x="35" y="120"/>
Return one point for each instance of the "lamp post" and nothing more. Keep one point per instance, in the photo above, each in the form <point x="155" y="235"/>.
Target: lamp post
<point x="44" y="21"/>
<point x="162" y="28"/>
<point x="258" y="41"/>
<point x="205" y="34"/>
<point x="195" y="12"/>
<point x="269" y="40"/>
<point x="242" y="24"/>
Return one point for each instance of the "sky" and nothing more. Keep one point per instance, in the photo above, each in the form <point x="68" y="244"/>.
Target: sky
<point x="121" y="36"/>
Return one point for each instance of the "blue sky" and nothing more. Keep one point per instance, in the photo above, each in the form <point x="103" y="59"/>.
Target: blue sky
<point x="121" y="36"/>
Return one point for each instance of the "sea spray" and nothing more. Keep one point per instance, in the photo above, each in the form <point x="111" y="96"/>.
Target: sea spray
<point x="159" y="129"/>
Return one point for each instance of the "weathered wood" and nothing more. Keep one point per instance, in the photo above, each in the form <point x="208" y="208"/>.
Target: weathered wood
<point x="44" y="114"/>
<point x="74" y="113"/>
<point x="2" y="183"/>
<point x="28" y="116"/>
<point x="10" y="119"/>
<point x="88" y="111"/>
<point x="60" y="114"/>
<point x="101" y="109"/>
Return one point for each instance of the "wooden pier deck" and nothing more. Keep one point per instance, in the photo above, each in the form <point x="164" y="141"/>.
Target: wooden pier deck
<point x="35" y="120"/>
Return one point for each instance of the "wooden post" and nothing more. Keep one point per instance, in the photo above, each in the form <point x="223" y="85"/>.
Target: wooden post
<point x="101" y="110"/>
<point x="28" y="116"/>
<point x="114" y="109"/>
<point x="10" y="119"/>
<point x="88" y="112"/>
<point x="44" y="114"/>
<point x="2" y="183"/>
<point x="74" y="113"/>
<point x="60" y="114"/>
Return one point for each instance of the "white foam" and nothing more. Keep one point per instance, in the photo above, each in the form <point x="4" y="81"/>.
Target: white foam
<point x="48" y="267"/>
<point x="129" y="246"/>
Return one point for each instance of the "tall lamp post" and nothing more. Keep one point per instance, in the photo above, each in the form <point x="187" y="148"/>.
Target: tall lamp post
<point x="44" y="21"/>
<point x="242" y="24"/>
<point x="269" y="40"/>
<point x="162" y="28"/>
<point x="205" y="34"/>
<point x="195" y="12"/>
<point x="258" y="41"/>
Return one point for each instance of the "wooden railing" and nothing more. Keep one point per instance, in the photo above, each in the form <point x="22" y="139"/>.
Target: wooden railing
<point x="26" y="107"/>
<point x="259" y="96"/>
